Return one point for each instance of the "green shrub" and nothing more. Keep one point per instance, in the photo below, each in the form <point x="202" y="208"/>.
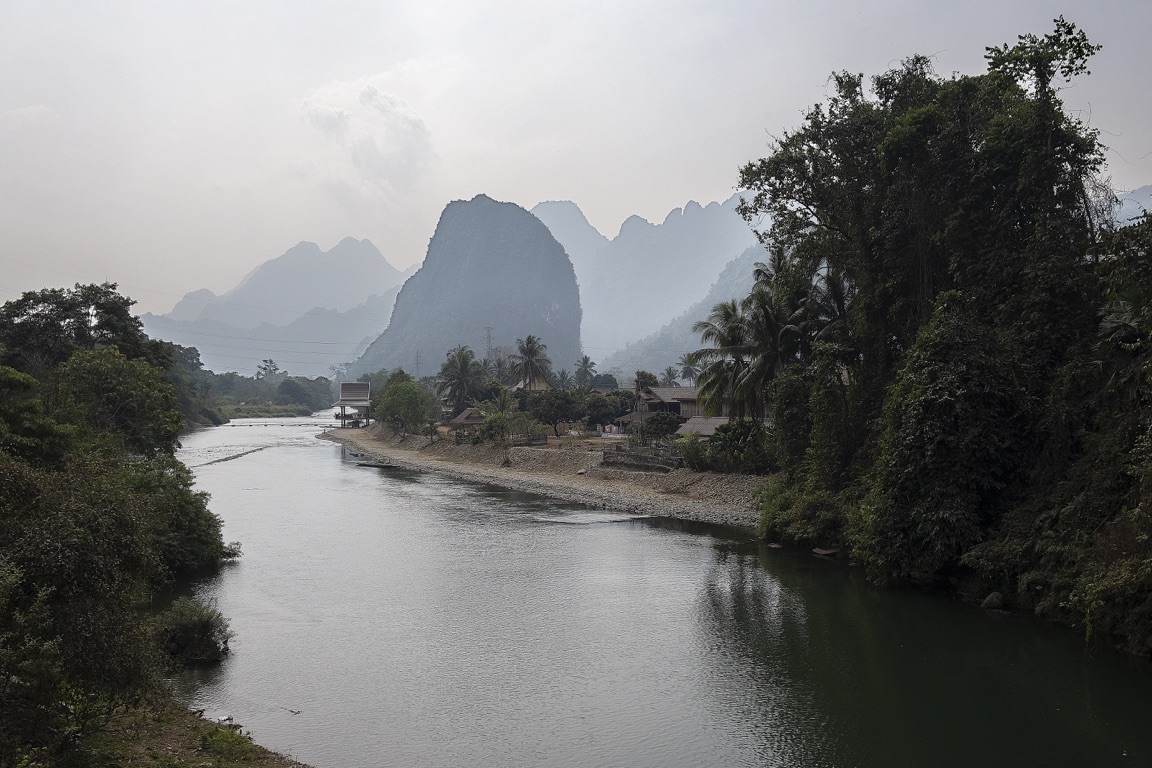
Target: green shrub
<point x="193" y="632"/>
<point x="661" y="425"/>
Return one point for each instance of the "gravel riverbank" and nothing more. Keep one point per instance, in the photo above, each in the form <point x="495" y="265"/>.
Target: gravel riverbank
<point x="571" y="472"/>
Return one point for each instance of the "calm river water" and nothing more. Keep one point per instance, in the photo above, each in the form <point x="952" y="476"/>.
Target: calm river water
<point x="413" y="620"/>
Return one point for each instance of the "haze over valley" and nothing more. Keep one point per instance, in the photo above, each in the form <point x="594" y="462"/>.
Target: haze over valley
<point x="493" y="275"/>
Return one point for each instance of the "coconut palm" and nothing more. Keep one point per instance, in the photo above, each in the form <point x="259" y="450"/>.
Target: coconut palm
<point x="688" y="369"/>
<point x="531" y="362"/>
<point x="504" y="403"/>
<point x="460" y="377"/>
<point x="721" y="365"/>
<point x="668" y="377"/>
<point x="563" y="379"/>
<point x="585" y="372"/>
<point x="774" y="331"/>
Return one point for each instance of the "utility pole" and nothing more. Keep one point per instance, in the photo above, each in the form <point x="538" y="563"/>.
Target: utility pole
<point x="417" y="364"/>
<point x="488" y="348"/>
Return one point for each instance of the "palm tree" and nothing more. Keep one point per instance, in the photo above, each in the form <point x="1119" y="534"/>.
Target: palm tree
<point x="668" y="377"/>
<point x="460" y="377"/>
<point x="531" y="362"/>
<point x="774" y="332"/>
<point x="688" y="369"/>
<point x="722" y="365"/>
<point x="585" y="372"/>
<point x="504" y="403"/>
<point x="563" y="379"/>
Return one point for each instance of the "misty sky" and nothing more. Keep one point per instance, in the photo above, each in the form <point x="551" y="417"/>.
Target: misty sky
<point x="170" y="150"/>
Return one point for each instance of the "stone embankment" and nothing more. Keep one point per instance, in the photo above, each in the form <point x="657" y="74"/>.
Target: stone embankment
<point x="571" y="472"/>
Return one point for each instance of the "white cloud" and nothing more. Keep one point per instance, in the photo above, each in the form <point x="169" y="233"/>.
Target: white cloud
<point x="377" y="136"/>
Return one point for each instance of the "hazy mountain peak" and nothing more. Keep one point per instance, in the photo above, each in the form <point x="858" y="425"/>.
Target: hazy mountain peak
<point x="493" y="270"/>
<point x="284" y="288"/>
<point x="192" y="304"/>
<point x="634" y="225"/>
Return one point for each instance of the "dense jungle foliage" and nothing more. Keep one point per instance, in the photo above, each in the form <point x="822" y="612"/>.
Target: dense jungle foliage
<point x="951" y="339"/>
<point x="95" y="514"/>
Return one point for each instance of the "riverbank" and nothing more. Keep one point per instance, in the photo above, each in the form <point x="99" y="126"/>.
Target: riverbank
<point x="570" y="471"/>
<point x="166" y="734"/>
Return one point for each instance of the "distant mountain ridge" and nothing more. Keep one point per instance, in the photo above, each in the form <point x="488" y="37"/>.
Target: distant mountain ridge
<point x="632" y="283"/>
<point x="310" y="345"/>
<point x="663" y="348"/>
<point x="307" y="309"/>
<point x="303" y="277"/>
<point x="492" y="267"/>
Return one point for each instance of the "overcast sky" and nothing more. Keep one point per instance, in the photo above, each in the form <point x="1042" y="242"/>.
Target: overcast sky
<point x="170" y="150"/>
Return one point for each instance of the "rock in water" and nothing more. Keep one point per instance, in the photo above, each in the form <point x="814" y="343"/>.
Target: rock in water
<point x="490" y="265"/>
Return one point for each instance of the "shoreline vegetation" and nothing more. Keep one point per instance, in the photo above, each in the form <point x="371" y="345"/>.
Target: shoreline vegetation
<point x="570" y="471"/>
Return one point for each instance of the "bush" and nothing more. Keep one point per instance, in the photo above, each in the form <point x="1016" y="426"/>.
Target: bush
<point x="743" y="446"/>
<point x="661" y="425"/>
<point x="193" y="632"/>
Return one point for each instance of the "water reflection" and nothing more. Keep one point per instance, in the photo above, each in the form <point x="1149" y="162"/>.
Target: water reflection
<point x="847" y="674"/>
<point x="415" y="620"/>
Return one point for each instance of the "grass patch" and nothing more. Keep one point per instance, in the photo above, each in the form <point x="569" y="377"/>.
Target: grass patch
<point x="168" y="736"/>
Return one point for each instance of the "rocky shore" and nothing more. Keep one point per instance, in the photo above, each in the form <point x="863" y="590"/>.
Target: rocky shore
<point x="570" y="471"/>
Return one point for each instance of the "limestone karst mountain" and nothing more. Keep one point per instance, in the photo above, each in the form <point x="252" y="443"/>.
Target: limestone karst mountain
<point x="280" y="290"/>
<point x="663" y="348"/>
<point x="493" y="270"/>
<point x="307" y="309"/>
<point x="631" y="284"/>
<point x="582" y="241"/>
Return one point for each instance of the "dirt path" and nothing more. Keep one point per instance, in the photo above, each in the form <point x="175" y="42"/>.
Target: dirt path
<point x="572" y="473"/>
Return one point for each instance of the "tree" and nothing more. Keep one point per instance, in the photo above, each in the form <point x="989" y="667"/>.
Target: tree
<point x="668" y="377"/>
<point x="1039" y="59"/>
<point x="928" y="261"/>
<point x="460" y="377"/>
<point x="531" y="362"/>
<point x="604" y="381"/>
<point x="25" y="430"/>
<point x="563" y="379"/>
<point x="585" y="372"/>
<point x="291" y="392"/>
<point x="956" y="428"/>
<point x="315" y="394"/>
<point x="644" y="379"/>
<point x="42" y="329"/>
<point x="268" y="370"/>
<point x="406" y="407"/>
<point x="504" y="403"/>
<point x="554" y="406"/>
<point x="113" y="397"/>
<point x="193" y="385"/>
<point x="721" y="365"/>
<point x="688" y="369"/>
<point x="602" y="409"/>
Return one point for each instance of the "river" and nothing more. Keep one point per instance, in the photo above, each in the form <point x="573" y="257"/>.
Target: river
<point x="394" y="618"/>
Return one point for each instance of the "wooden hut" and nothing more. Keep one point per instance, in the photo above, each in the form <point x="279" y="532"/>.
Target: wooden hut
<point x="357" y="396"/>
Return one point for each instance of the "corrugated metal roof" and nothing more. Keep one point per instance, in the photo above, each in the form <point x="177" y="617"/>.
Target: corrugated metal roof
<point x="703" y="426"/>
<point x="469" y="416"/>
<point x="354" y="394"/>
<point x="671" y="394"/>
